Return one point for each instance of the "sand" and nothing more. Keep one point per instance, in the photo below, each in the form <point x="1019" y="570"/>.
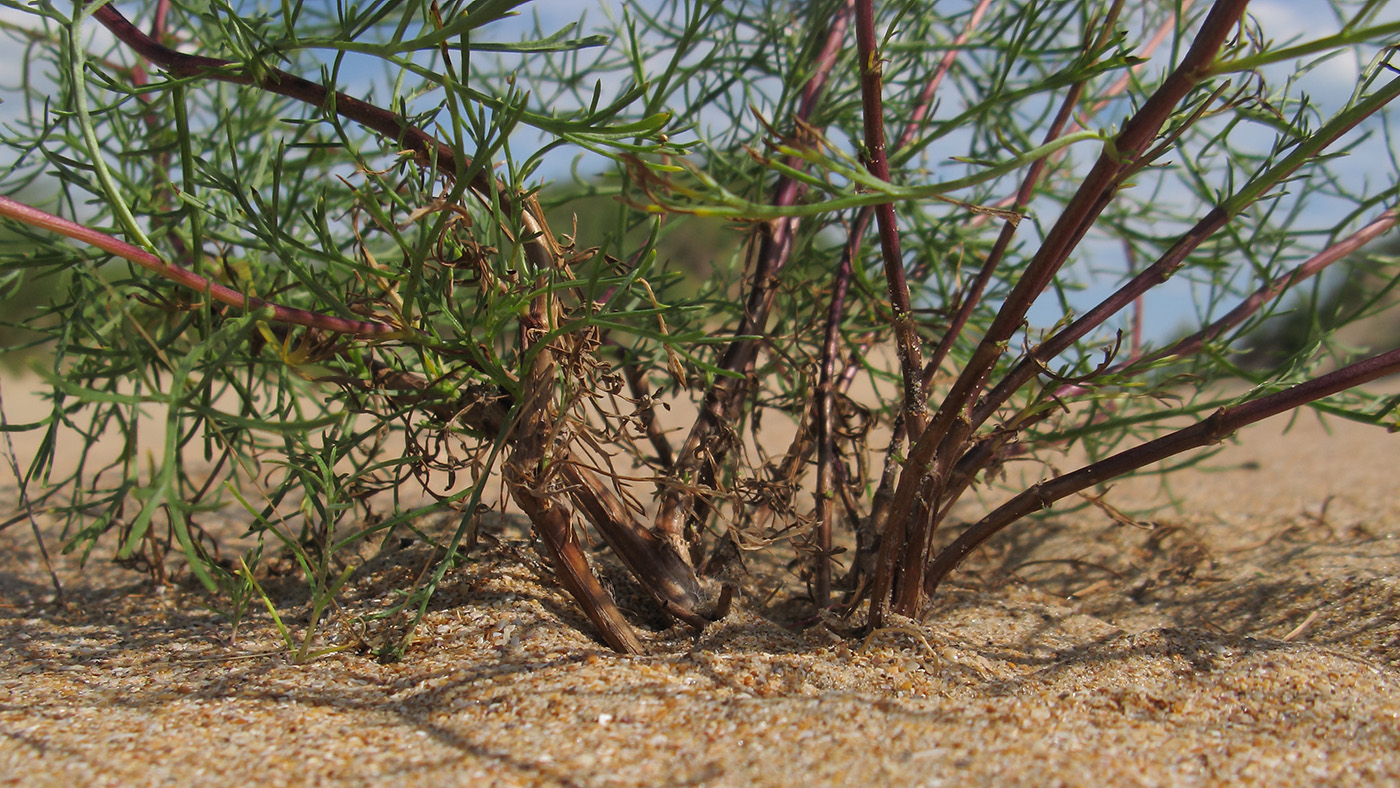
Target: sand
<point x="1250" y="637"/>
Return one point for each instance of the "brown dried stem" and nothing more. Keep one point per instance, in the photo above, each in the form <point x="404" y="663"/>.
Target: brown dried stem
<point x="528" y="473"/>
<point x="657" y="565"/>
<point x="825" y="423"/>
<point x="708" y="441"/>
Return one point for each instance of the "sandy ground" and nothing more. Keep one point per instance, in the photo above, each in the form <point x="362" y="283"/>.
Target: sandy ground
<point x="1251" y="637"/>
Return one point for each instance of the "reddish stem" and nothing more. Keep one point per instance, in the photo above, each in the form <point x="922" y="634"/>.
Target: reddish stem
<point x="1066" y="123"/>
<point x="1089" y="201"/>
<point x="913" y="554"/>
<point x="972" y="296"/>
<point x="877" y="161"/>
<point x="1271" y="290"/>
<point x="425" y="147"/>
<point x="222" y="293"/>
<point x="993" y="448"/>
<point x="1212" y="429"/>
<point x="826" y="447"/>
<point x="1163" y="268"/>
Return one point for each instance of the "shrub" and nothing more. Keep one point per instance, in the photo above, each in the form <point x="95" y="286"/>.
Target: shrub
<point x="340" y="292"/>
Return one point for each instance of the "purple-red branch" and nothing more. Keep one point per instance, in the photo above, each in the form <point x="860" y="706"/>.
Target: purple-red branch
<point x="1093" y="195"/>
<point x="222" y="293"/>
<point x="1271" y="290"/>
<point x="829" y="382"/>
<point x="877" y="162"/>
<point x="1159" y="271"/>
<point x="994" y="447"/>
<point x="1065" y="122"/>
<point x="390" y="125"/>
<point x="1213" y="429"/>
